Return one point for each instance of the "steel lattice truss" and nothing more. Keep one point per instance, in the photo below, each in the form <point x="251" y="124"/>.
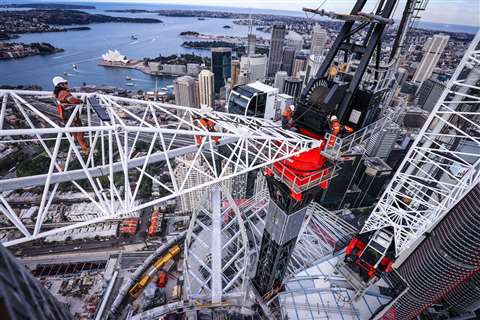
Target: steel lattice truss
<point x="217" y="251"/>
<point x="321" y="232"/>
<point x="442" y="164"/>
<point x="123" y="151"/>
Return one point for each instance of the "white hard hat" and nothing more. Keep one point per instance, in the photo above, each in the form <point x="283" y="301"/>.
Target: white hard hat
<point x="57" y="80"/>
<point x="292" y="107"/>
<point x="205" y="109"/>
<point x="333" y="118"/>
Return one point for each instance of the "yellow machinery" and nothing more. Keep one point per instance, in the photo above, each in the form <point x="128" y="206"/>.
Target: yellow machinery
<point x="138" y="288"/>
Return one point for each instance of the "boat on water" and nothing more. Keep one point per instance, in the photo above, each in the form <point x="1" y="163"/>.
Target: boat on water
<point x="130" y="84"/>
<point x="201" y="19"/>
<point x="227" y="27"/>
<point x="128" y="78"/>
<point x="134" y="37"/>
<point x="65" y="73"/>
<point x="75" y="67"/>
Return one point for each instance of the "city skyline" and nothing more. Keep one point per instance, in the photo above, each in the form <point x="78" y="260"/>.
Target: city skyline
<point x="439" y="11"/>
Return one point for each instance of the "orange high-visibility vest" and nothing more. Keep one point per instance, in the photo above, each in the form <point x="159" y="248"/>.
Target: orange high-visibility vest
<point x="287" y="112"/>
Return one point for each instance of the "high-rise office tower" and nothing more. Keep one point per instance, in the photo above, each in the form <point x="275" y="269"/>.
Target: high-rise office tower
<point x="251" y="39"/>
<point x="288" y="55"/>
<point x="186" y="91"/>
<point x="251" y="44"/>
<point x="252" y="68"/>
<point x="319" y="40"/>
<point x="294" y="40"/>
<point x="206" y="88"/>
<point x="280" y="80"/>
<point x="429" y="93"/>
<point x="302" y="75"/>
<point x="24" y="297"/>
<point x="299" y="64"/>
<point x="188" y="202"/>
<point x="432" y="49"/>
<point x="314" y="61"/>
<point x="276" y="48"/>
<point x="235" y="72"/>
<point x="293" y="87"/>
<point x="445" y="264"/>
<point x="221" y="66"/>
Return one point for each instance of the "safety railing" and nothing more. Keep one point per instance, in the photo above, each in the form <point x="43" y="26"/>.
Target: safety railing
<point x="300" y="184"/>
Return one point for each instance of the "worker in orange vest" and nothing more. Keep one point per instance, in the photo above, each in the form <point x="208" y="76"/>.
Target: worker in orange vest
<point x="287" y="115"/>
<point x="332" y="72"/>
<point x="335" y="129"/>
<point x="66" y="103"/>
<point x="207" y="124"/>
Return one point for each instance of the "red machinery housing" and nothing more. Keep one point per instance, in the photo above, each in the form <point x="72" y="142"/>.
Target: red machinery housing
<point x="303" y="171"/>
<point x="371" y="256"/>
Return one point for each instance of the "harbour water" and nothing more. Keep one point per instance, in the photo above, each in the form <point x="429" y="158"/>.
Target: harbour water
<point x="84" y="48"/>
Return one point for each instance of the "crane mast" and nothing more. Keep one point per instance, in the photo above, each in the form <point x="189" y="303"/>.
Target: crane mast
<point x="323" y="97"/>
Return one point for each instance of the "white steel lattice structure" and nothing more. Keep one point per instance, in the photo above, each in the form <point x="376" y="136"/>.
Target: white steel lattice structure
<point x="442" y="164"/>
<point x="123" y="151"/>
<point x="320" y="233"/>
<point x="217" y="255"/>
<point x="223" y="241"/>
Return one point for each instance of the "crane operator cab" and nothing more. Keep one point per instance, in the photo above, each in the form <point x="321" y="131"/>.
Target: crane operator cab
<point x="372" y="258"/>
<point x="367" y="257"/>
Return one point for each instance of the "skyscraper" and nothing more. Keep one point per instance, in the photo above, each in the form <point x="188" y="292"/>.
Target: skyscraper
<point x="432" y="49"/>
<point x="251" y="39"/>
<point x="445" y="264"/>
<point x="235" y="72"/>
<point x="299" y="64"/>
<point x="429" y="93"/>
<point x="186" y="91"/>
<point x="314" y="61"/>
<point x="251" y="44"/>
<point x="221" y="66"/>
<point x="188" y="202"/>
<point x="280" y="80"/>
<point x="276" y="48"/>
<point x="288" y="55"/>
<point x="293" y="87"/>
<point x="253" y="68"/>
<point x="294" y="40"/>
<point x="319" y="40"/>
<point x="206" y="88"/>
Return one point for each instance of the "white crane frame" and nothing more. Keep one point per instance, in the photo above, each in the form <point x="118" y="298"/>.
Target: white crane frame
<point x="245" y="144"/>
<point x="425" y="187"/>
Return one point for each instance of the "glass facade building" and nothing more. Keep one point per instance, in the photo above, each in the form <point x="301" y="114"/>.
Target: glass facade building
<point x="221" y="66"/>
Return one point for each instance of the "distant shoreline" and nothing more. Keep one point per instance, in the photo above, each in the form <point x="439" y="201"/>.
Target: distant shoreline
<point x="48" y="6"/>
<point x="137" y="65"/>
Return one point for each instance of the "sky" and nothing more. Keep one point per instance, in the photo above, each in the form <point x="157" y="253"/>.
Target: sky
<point x="464" y="12"/>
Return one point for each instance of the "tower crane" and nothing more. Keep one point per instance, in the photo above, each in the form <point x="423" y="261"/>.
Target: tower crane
<point x="297" y="163"/>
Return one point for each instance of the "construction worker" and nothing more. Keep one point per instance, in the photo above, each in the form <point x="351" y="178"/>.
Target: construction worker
<point x="287" y="115"/>
<point x="335" y="129"/>
<point x="65" y="105"/>
<point x="207" y="124"/>
<point x="332" y="72"/>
